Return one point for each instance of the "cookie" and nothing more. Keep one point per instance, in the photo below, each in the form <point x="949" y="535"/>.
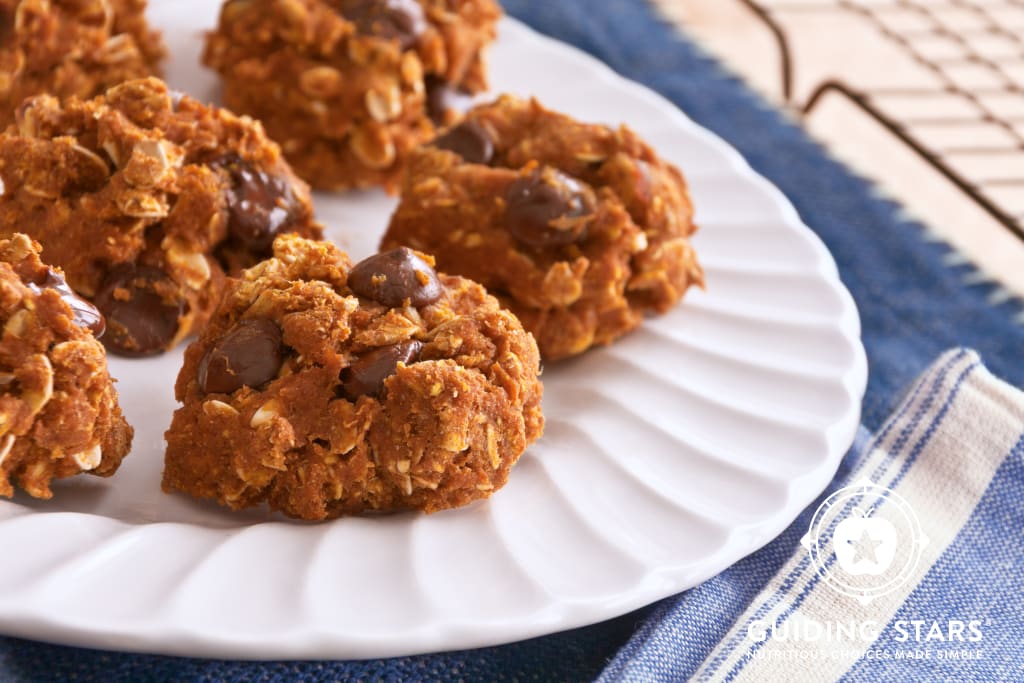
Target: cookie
<point x="350" y="87"/>
<point x="59" y="414"/>
<point x="328" y="390"/>
<point x="579" y="229"/>
<point x="72" y="47"/>
<point x="146" y="198"/>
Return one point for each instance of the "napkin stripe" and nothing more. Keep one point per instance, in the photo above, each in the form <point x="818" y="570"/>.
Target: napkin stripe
<point x="990" y="598"/>
<point x="932" y="378"/>
<point x="920" y="399"/>
<point x="813" y="578"/>
<point x="971" y="449"/>
<point x="823" y="605"/>
<point x="974" y="431"/>
<point x="932" y="396"/>
<point x="936" y="383"/>
<point x="930" y="431"/>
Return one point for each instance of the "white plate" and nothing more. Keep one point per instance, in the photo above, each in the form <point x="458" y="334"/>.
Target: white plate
<point x="667" y="457"/>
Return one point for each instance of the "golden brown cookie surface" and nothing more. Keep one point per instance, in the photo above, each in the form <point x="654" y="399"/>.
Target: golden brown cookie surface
<point x="59" y="414"/>
<point x="349" y="87"/>
<point x="72" y="47"/>
<point x="326" y="389"/>
<point x="579" y="229"/>
<point x="146" y="198"/>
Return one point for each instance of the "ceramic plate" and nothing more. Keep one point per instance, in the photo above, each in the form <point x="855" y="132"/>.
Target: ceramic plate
<point x="667" y="457"/>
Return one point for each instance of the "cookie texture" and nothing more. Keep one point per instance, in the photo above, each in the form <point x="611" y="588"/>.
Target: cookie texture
<point x="326" y="390"/>
<point x="72" y="47"/>
<point x="350" y="87"/>
<point x="59" y="414"/>
<point x="579" y="229"/>
<point x="146" y="198"/>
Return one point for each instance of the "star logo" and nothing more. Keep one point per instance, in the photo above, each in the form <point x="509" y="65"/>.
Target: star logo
<point x="864" y="548"/>
<point x="865" y="540"/>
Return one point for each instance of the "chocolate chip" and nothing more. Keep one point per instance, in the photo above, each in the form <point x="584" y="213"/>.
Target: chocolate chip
<point x="400" y="20"/>
<point x="261" y="206"/>
<point x="438" y="91"/>
<point x="470" y="141"/>
<point x="248" y="355"/>
<point x="443" y="97"/>
<point x="143" y="307"/>
<point x="548" y="208"/>
<point x="176" y="97"/>
<point x="365" y="377"/>
<point x="394" y="277"/>
<point x="83" y="313"/>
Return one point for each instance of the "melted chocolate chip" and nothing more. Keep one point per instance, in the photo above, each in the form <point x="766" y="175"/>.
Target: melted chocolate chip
<point x="176" y="97"/>
<point x="443" y="97"/>
<point x="438" y="90"/>
<point x="84" y="313"/>
<point x="400" y="20"/>
<point x="470" y="141"/>
<point x="142" y="307"/>
<point x="548" y="208"/>
<point x="394" y="277"/>
<point x="248" y="355"/>
<point x="261" y="206"/>
<point x="365" y="377"/>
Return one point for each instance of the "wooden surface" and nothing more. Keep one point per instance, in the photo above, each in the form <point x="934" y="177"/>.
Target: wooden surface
<point x="832" y="44"/>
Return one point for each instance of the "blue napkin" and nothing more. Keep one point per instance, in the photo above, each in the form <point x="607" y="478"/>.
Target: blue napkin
<point x="913" y="307"/>
<point x="946" y="474"/>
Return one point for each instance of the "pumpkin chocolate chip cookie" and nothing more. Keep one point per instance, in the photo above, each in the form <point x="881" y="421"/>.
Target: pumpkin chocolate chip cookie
<point x="72" y="47"/>
<point x="146" y="198"/>
<point x="327" y="389"/>
<point x="59" y="414"/>
<point x="350" y="87"/>
<point x="579" y="229"/>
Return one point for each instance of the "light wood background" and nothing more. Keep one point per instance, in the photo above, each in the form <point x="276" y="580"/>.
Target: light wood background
<point x="837" y="44"/>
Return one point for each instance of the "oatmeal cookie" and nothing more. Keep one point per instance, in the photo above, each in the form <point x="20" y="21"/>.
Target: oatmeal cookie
<point x="72" y="47"/>
<point x="58" y="408"/>
<point x="328" y="390"/>
<point x="579" y="229"/>
<point x="146" y="198"/>
<point x="350" y="87"/>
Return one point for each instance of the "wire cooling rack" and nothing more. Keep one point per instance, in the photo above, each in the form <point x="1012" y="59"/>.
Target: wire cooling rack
<point x="973" y="52"/>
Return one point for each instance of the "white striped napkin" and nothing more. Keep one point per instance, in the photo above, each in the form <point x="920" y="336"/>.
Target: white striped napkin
<point x="916" y="570"/>
<point x="939" y="453"/>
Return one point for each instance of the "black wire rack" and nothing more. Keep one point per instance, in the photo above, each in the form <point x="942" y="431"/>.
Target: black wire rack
<point x="983" y="37"/>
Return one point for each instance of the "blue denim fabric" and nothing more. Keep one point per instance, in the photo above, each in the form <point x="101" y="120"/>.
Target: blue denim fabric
<point x="981" y="574"/>
<point x="912" y="306"/>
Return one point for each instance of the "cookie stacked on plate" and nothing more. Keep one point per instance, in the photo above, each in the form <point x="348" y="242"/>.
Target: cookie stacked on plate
<point x="72" y="47"/>
<point x="329" y="389"/>
<point x="147" y="198"/>
<point x="59" y="414"/>
<point x="351" y="87"/>
<point x="580" y="229"/>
